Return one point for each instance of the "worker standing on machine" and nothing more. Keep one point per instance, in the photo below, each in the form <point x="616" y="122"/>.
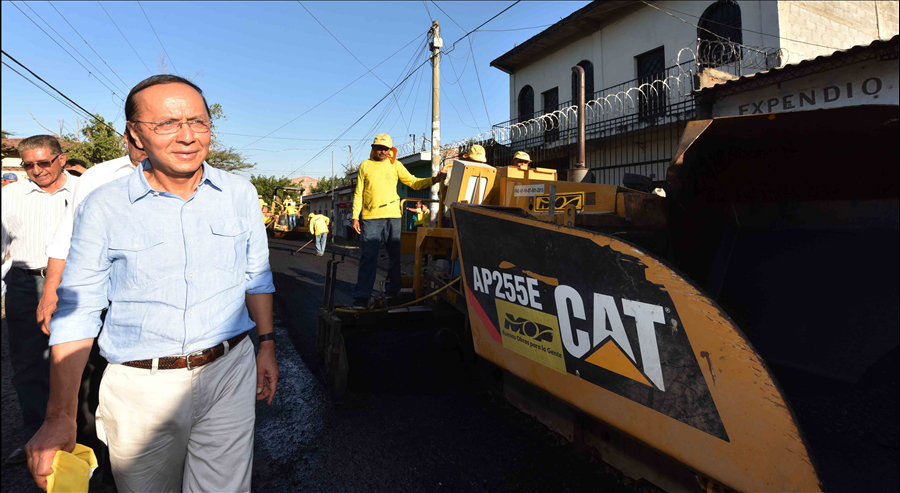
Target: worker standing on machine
<point x="376" y="209"/>
<point x="522" y="160"/>
<point x="290" y="208"/>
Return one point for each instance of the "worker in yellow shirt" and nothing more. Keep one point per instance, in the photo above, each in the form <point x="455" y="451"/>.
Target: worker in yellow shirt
<point x="376" y="209"/>
<point x="522" y="160"/>
<point x="262" y="205"/>
<point x="318" y="227"/>
<point x="290" y="208"/>
<point x="423" y="216"/>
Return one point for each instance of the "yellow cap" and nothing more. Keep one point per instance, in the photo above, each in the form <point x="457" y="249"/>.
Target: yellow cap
<point x="523" y="156"/>
<point x="476" y="153"/>
<point x="383" y="140"/>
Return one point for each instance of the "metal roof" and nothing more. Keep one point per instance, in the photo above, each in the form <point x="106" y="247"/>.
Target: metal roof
<point x="883" y="48"/>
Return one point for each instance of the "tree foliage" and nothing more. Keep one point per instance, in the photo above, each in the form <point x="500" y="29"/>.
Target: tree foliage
<point x="6" y="134"/>
<point x="325" y="183"/>
<point x="265" y="186"/>
<point x="221" y="156"/>
<point x="95" y="143"/>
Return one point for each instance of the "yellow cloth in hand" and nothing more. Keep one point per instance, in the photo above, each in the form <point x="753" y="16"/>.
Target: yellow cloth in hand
<point x="72" y="471"/>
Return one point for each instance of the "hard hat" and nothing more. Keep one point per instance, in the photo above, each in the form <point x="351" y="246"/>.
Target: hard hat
<point x="523" y="156"/>
<point x="10" y="177"/>
<point x="476" y="153"/>
<point x="383" y="140"/>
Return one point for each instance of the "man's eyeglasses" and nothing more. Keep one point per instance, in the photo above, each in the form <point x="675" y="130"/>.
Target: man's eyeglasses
<point x="171" y="126"/>
<point x="43" y="164"/>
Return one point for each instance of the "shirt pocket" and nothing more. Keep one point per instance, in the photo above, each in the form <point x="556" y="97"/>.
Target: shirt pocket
<point x="230" y="243"/>
<point x="142" y="253"/>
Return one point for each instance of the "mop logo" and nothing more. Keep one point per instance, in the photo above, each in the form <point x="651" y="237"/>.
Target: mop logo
<point x="527" y="328"/>
<point x="563" y="200"/>
<point x="608" y="345"/>
<point x="531" y="333"/>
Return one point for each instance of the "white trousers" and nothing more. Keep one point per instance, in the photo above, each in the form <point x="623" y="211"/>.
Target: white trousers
<point x="180" y="430"/>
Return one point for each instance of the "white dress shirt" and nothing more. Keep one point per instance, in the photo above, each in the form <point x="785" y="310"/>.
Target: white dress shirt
<point x="30" y="217"/>
<point x="97" y="175"/>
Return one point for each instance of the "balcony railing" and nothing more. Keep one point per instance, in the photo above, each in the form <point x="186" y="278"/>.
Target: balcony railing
<point x="638" y="103"/>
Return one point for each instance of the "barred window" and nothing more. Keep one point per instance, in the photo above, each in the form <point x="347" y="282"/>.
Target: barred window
<point x="526" y="104"/>
<point x="551" y="104"/>
<point x="719" y="26"/>
<point x="651" y="69"/>
<point x="588" y="82"/>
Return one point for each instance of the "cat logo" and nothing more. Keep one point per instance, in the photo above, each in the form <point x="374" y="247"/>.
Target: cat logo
<point x="563" y="200"/>
<point x="607" y="344"/>
<point x="528" y="328"/>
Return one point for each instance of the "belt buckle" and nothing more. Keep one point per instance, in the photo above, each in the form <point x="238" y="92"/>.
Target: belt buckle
<point x="187" y="358"/>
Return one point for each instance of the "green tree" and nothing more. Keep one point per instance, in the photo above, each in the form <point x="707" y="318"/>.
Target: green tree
<point x="221" y="156"/>
<point x="95" y="142"/>
<point x="265" y="186"/>
<point x="7" y="134"/>
<point x="325" y="183"/>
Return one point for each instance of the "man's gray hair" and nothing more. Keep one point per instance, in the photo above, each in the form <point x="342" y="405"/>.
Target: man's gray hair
<point x="39" y="142"/>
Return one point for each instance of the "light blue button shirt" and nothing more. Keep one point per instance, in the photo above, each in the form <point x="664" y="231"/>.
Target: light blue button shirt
<point x="173" y="273"/>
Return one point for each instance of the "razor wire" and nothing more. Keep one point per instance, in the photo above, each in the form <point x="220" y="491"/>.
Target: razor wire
<point x="735" y="58"/>
<point x="641" y="96"/>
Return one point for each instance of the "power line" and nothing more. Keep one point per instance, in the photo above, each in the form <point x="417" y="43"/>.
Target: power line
<point x="126" y="39"/>
<point x="407" y="69"/>
<point x="513" y="29"/>
<point x="73" y="48"/>
<point x="35" y="84"/>
<point x="62" y="48"/>
<point x="89" y="45"/>
<point x="36" y="76"/>
<point x="157" y="38"/>
<point x="336" y="93"/>
<point x="474" y="62"/>
<point x="452" y="47"/>
<point x="350" y="52"/>
<point x="666" y="11"/>
<point x="281" y="138"/>
<point x="458" y="77"/>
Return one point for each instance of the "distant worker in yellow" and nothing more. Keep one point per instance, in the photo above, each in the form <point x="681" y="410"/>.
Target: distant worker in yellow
<point x="476" y="153"/>
<point x="290" y="208"/>
<point x="318" y="226"/>
<point x="376" y="209"/>
<point x="262" y="205"/>
<point x="522" y="160"/>
<point x="423" y="215"/>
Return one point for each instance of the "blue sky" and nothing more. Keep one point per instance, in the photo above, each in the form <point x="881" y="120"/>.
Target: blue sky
<point x="268" y="62"/>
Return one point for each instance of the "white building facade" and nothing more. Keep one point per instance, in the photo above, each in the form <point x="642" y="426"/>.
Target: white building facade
<point x="644" y="63"/>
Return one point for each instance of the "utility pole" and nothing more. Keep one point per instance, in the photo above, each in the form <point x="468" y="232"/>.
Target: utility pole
<point x="436" y="44"/>
<point x="333" y="202"/>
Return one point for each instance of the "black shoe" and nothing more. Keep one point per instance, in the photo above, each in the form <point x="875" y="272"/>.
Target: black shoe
<point x="360" y="303"/>
<point x="16" y="458"/>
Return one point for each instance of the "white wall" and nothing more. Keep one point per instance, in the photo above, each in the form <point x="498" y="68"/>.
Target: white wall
<point x="613" y="48"/>
<point x="819" y="28"/>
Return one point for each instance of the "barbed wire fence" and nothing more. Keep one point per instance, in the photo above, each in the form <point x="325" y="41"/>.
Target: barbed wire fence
<point x="632" y="127"/>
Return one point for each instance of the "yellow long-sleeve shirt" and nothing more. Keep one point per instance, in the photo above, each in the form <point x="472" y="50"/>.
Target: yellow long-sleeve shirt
<point x="376" y="189"/>
<point x="318" y="224"/>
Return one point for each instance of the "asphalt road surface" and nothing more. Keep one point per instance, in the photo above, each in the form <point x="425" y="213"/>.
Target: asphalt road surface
<point x="416" y="418"/>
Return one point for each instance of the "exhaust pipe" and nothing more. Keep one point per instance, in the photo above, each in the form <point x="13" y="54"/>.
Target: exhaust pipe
<point x="579" y="172"/>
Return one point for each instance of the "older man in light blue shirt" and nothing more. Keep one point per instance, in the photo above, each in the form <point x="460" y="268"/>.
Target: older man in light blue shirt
<point x="171" y="287"/>
<point x="177" y="251"/>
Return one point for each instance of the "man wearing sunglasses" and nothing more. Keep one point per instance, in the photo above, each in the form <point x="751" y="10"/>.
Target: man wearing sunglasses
<point x="32" y="210"/>
<point x="178" y="253"/>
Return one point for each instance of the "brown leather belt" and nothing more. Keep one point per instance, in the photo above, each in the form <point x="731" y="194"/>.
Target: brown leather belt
<point x="192" y="360"/>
